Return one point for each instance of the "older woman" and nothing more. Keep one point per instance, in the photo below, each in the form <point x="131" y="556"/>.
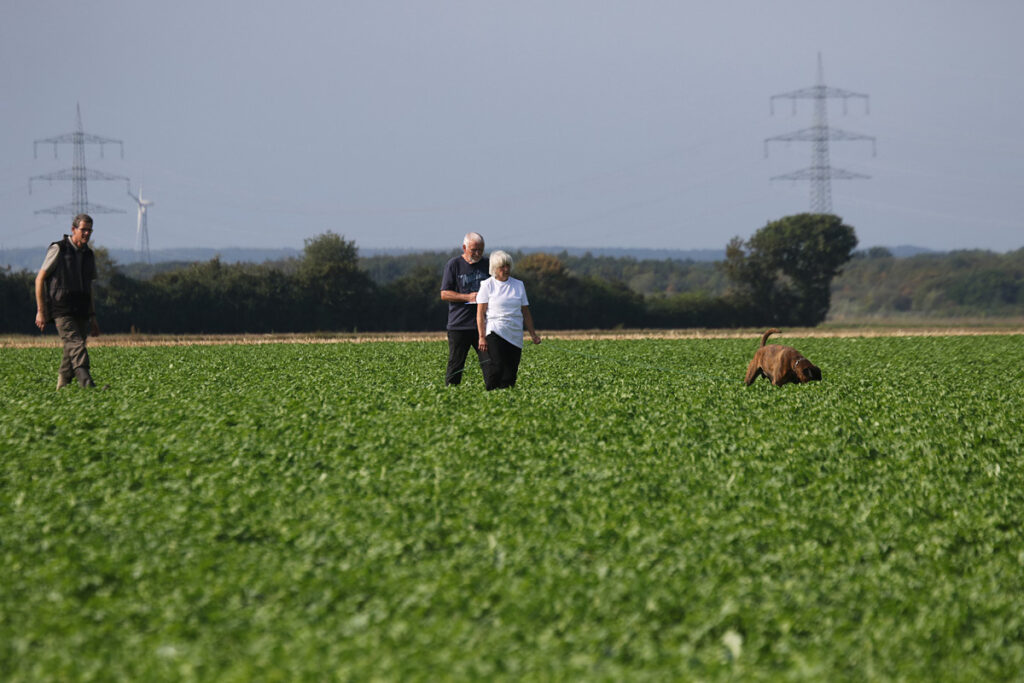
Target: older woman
<point x="502" y="310"/>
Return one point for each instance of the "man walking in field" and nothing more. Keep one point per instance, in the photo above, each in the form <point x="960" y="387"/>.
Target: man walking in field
<point x="459" y="284"/>
<point x="64" y="295"/>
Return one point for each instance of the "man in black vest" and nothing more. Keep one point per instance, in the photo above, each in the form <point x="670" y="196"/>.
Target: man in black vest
<point x="64" y="295"/>
<point x="459" y="284"/>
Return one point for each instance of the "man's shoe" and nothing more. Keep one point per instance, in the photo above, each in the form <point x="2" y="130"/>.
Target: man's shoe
<point x="84" y="378"/>
<point x="62" y="382"/>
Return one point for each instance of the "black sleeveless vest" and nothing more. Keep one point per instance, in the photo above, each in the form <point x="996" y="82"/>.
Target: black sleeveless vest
<point x="69" y="287"/>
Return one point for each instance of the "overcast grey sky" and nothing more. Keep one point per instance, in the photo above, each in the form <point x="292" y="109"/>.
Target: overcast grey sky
<point x="634" y="123"/>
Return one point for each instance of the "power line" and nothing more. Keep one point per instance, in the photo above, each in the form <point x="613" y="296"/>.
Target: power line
<point x="78" y="174"/>
<point x="820" y="172"/>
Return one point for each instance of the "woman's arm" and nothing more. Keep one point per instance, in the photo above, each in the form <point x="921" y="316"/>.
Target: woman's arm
<point x="481" y="326"/>
<point x="528" y="324"/>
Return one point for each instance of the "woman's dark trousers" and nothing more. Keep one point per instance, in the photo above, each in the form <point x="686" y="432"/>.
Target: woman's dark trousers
<point x="501" y="363"/>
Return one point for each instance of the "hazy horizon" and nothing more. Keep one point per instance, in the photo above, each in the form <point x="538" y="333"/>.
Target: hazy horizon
<point x="602" y="125"/>
<point x="29" y="258"/>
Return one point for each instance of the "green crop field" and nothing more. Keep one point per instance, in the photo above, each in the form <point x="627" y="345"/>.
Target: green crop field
<point x="630" y="511"/>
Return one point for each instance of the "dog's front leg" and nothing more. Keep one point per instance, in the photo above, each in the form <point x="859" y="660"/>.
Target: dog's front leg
<point x="753" y="372"/>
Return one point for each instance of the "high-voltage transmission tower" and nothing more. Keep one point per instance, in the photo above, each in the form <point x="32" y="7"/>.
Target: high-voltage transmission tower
<point x="820" y="172"/>
<point x="78" y="174"/>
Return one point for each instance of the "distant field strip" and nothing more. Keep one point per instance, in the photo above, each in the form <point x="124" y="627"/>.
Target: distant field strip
<point x="50" y="339"/>
<point x="631" y="510"/>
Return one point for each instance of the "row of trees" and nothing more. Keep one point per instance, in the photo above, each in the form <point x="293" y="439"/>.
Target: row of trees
<point x="873" y="283"/>
<point x="958" y="284"/>
<point x="781" y="276"/>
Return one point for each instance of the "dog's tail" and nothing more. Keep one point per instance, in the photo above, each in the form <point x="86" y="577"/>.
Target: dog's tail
<point x="768" y="333"/>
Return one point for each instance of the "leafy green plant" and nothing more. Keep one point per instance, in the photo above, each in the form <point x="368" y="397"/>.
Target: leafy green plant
<point x="629" y="510"/>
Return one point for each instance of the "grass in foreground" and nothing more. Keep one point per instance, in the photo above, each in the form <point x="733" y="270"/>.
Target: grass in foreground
<point x="631" y="510"/>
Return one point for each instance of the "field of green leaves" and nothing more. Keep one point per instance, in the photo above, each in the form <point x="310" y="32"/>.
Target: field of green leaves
<point x="629" y="511"/>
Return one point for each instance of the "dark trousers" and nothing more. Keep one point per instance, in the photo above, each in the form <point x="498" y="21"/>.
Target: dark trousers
<point x="501" y="363"/>
<point x="75" y="361"/>
<point x="459" y="343"/>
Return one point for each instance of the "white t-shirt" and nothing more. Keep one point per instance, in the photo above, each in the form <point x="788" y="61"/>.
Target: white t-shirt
<point x="505" y="301"/>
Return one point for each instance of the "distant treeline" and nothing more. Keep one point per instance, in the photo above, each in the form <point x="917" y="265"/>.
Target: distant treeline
<point x="971" y="283"/>
<point x="784" y="275"/>
<point x="873" y="283"/>
<point x="330" y="289"/>
<point x="28" y="258"/>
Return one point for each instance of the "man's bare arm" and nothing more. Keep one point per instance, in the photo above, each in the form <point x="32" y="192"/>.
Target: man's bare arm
<point x="41" y="299"/>
<point x="452" y="295"/>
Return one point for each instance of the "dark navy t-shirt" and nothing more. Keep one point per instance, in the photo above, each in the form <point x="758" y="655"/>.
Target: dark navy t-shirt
<point x="462" y="277"/>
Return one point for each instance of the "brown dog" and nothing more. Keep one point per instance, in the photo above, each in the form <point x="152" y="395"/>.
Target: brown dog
<point x="780" y="364"/>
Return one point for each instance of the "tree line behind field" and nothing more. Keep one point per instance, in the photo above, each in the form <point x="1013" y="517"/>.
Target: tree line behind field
<point x="873" y="283"/>
<point x="314" y="294"/>
<point x="795" y="271"/>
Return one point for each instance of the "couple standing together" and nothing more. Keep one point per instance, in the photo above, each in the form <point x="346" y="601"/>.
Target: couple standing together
<point x="485" y="313"/>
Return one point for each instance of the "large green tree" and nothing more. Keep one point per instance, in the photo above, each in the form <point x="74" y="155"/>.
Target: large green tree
<point x="785" y="269"/>
<point x="338" y="290"/>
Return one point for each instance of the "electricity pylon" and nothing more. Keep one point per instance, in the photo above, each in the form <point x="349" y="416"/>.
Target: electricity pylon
<point x="77" y="174"/>
<point x="142" y="231"/>
<point x="820" y="172"/>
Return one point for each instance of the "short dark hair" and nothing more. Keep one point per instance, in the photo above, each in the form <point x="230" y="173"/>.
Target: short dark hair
<point x="81" y="218"/>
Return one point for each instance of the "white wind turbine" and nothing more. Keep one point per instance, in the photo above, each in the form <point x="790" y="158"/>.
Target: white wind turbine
<point x="142" y="232"/>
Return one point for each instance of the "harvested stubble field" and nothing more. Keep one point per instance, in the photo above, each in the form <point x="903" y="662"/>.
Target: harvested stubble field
<point x="630" y="511"/>
<point x="1007" y="326"/>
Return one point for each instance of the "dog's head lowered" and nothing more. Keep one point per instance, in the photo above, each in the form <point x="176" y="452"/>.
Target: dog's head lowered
<point x="806" y="371"/>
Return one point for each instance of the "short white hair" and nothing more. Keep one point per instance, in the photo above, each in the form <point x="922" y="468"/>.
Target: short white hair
<point x="498" y="259"/>
<point x="472" y="238"/>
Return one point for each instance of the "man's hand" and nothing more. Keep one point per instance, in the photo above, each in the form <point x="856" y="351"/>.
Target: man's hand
<point x="40" y="320"/>
<point x="482" y="344"/>
<point x="95" y="328"/>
